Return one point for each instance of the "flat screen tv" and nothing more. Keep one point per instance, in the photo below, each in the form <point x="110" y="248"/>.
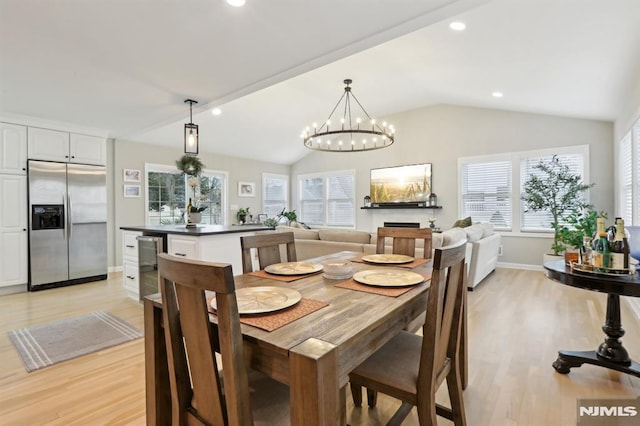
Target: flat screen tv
<point x="401" y="184"/>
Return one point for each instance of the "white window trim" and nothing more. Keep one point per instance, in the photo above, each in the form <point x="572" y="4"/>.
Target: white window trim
<point x="173" y="169"/>
<point x="325" y="175"/>
<point x="515" y="157"/>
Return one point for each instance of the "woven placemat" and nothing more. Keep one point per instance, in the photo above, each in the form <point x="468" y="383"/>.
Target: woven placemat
<point x="410" y="265"/>
<point x="384" y="291"/>
<point x="274" y="320"/>
<point x="284" y="278"/>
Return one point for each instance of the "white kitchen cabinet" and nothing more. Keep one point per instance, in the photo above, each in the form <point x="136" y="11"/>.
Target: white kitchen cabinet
<point x="13" y="230"/>
<point x="85" y="149"/>
<point x="130" y="270"/>
<point x="220" y="248"/>
<point x="13" y="149"/>
<point x="54" y="145"/>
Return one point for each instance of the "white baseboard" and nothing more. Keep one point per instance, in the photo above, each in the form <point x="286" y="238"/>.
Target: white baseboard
<point x="525" y="266"/>
<point x="115" y="269"/>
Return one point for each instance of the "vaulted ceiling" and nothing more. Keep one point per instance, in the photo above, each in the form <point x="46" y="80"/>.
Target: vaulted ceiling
<point x="125" y="67"/>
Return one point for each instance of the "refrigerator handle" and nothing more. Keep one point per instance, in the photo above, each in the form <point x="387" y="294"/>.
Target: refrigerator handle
<point x="69" y="221"/>
<point x="65" y="211"/>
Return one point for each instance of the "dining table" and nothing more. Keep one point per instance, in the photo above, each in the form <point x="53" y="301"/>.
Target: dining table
<point x="314" y="354"/>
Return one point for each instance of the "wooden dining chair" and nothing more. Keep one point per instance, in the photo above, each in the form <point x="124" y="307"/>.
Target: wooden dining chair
<point x="268" y="247"/>
<point x="404" y="240"/>
<point x="201" y="394"/>
<point x="411" y="367"/>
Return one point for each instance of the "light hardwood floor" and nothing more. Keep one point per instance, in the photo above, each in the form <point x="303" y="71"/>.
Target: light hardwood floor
<point x="517" y="322"/>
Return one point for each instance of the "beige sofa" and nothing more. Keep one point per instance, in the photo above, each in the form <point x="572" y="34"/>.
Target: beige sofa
<point x="483" y="245"/>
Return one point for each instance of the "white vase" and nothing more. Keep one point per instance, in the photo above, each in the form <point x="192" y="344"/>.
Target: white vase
<point x="195" y="217"/>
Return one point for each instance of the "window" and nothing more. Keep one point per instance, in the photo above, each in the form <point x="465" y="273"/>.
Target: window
<point x="491" y="186"/>
<point x="275" y="193"/>
<point x="486" y="192"/>
<point x="328" y="199"/>
<point x="628" y="176"/>
<point x="168" y="191"/>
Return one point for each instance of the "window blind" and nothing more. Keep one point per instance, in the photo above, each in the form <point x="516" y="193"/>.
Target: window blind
<point x="625" y="180"/>
<point x="486" y="192"/>
<point x="340" y="200"/>
<point x="328" y="199"/>
<point x="540" y="221"/>
<point x="275" y="190"/>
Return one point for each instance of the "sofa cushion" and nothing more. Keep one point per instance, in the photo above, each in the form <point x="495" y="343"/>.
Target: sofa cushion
<point x="474" y="232"/>
<point x="462" y="223"/>
<point x="348" y="236"/>
<point x="299" y="233"/>
<point x="487" y="229"/>
<point x="453" y="235"/>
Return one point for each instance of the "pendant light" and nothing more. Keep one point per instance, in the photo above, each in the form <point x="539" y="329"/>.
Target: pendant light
<point x="191" y="132"/>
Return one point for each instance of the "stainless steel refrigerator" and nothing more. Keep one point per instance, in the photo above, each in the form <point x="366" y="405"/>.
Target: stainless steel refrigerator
<point x="67" y="224"/>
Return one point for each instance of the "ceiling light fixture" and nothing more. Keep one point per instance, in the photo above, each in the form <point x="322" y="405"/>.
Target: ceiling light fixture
<point x="216" y="111"/>
<point x="497" y="94"/>
<point x="236" y="3"/>
<point x="458" y="26"/>
<point x="191" y="131"/>
<point x="349" y="135"/>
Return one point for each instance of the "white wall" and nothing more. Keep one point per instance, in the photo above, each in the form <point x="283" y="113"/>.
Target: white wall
<point x="442" y="134"/>
<point x="132" y="155"/>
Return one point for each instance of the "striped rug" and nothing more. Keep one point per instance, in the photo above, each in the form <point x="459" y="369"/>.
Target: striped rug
<point x="47" y="344"/>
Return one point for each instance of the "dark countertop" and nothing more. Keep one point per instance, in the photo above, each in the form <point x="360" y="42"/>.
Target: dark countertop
<point x="197" y="231"/>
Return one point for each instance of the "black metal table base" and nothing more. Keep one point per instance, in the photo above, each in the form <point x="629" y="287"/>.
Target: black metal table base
<point x="568" y="359"/>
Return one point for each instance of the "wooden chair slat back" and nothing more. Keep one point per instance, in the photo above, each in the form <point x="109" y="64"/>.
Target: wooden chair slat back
<point x="442" y="327"/>
<point x="268" y="248"/>
<point x="404" y="240"/>
<point x="198" y="398"/>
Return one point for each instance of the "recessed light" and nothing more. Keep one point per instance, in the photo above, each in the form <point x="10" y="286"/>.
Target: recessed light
<point x="457" y="26"/>
<point x="236" y="3"/>
<point x="216" y="111"/>
<point x="497" y="94"/>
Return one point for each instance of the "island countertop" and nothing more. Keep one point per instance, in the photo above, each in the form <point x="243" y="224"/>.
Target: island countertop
<point x="195" y="231"/>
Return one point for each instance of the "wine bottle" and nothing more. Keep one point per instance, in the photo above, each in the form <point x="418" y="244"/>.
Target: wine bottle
<point x="601" y="255"/>
<point x="189" y="206"/>
<point x="620" y="248"/>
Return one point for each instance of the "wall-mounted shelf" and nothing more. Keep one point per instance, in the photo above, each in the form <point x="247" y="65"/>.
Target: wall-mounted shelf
<point x="400" y="206"/>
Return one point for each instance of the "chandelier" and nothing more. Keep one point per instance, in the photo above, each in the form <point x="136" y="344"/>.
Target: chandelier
<point x="190" y="131"/>
<point x="349" y="135"/>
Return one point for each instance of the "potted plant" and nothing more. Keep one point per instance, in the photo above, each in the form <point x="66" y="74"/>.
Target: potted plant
<point x="242" y="214"/>
<point x="290" y="216"/>
<point x="579" y="224"/>
<point x="555" y="190"/>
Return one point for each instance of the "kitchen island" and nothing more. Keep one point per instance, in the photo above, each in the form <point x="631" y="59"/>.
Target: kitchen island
<point x="212" y="243"/>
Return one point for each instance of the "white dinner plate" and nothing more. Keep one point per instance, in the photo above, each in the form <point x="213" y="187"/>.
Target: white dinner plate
<point x="388" y="277"/>
<point x="260" y="300"/>
<point x="387" y="258"/>
<point x="293" y="268"/>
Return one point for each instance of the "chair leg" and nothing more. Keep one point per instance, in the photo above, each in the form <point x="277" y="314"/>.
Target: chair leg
<point x="372" y="397"/>
<point x="454" y="384"/>
<point x="356" y="395"/>
<point x="400" y="415"/>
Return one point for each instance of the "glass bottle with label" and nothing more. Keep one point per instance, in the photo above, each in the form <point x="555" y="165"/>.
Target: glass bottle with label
<point x="585" y="251"/>
<point x="620" y="248"/>
<point x="601" y="255"/>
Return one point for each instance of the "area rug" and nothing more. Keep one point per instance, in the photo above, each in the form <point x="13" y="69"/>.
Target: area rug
<point x="47" y="344"/>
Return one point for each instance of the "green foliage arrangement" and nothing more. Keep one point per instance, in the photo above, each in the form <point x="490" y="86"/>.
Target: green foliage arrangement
<point x="579" y="224"/>
<point x="242" y="214"/>
<point x="291" y="216"/>
<point x="270" y="222"/>
<point x="190" y="165"/>
<point x="557" y="191"/>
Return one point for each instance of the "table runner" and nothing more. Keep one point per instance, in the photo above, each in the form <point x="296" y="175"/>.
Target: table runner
<point x="274" y="320"/>
<point x="410" y="265"/>
<point x="284" y="278"/>
<point x="352" y="284"/>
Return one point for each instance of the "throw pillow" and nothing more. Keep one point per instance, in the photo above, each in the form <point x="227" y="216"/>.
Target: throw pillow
<point x="462" y="223"/>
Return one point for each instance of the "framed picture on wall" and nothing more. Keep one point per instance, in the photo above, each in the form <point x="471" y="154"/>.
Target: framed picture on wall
<point x="132" y="190"/>
<point x="246" y="189"/>
<point x="131" y="175"/>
